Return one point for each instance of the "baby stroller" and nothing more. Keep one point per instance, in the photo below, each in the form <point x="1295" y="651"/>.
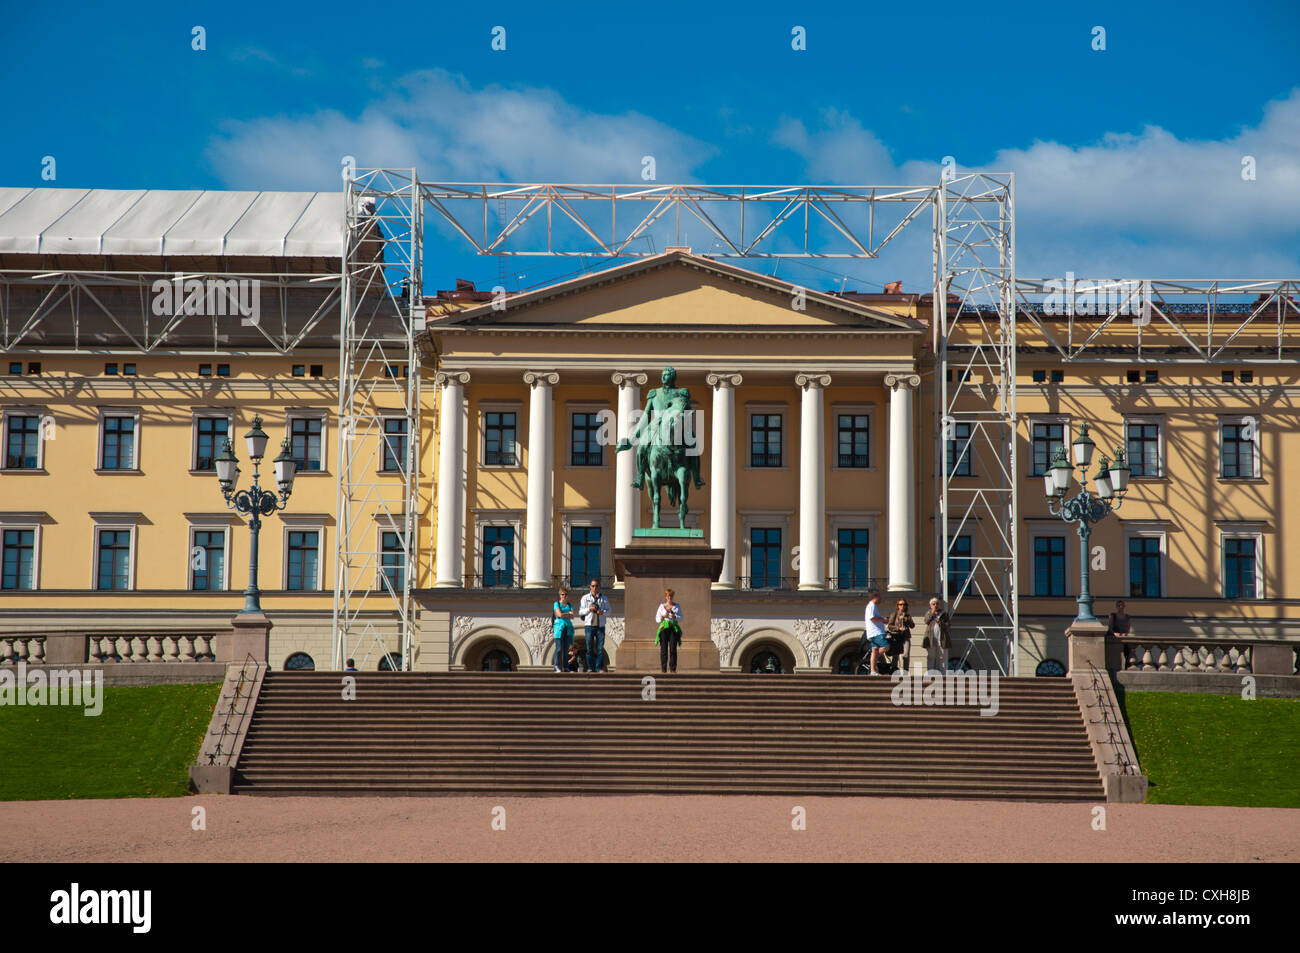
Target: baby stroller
<point x="895" y="655"/>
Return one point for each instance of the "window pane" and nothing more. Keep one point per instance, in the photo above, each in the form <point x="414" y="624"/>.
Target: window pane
<point x="19" y="563"/>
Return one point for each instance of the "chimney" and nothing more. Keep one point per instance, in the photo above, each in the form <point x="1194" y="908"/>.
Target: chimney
<point x="684" y="249"/>
<point x="463" y="285"/>
<point x="894" y="288"/>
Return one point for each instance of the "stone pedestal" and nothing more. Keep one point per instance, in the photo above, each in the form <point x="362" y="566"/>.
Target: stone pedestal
<point x="666" y="559"/>
<point x="1087" y="645"/>
<point x="252" y="637"/>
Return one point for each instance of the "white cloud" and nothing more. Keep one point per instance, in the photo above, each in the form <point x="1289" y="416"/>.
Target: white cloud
<point x="451" y="131"/>
<point x="1148" y="204"/>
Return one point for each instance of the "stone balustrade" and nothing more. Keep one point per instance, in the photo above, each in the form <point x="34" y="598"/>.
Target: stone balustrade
<point x="1207" y="656"/>
<point x="140" y="647"/>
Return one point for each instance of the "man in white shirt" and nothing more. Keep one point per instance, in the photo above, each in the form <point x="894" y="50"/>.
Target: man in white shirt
<point x="875" y="635"/>
<point x="592" y="610"/>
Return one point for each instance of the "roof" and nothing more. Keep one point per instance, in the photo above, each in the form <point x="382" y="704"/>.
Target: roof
<point x="488" y="314"/>
<point x="157" y="222"/>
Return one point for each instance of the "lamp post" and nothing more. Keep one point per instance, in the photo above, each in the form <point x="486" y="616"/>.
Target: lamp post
<point x="254" y="502"/>
<point x="1111" y="482"/>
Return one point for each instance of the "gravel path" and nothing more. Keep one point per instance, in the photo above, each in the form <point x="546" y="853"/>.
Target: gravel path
<point x="645" y="828"/>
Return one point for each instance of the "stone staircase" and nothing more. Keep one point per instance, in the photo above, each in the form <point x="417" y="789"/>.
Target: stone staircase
<point x="549" y="734"/>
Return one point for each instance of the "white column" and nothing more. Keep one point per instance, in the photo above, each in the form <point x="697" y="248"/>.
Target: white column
<point x="541" y="467"/>
<point x="627" y="512"/>
<point x="722" y="476"/>
<point x="812" y="482"/>
<point x="450" y="558"/>
<point x="902" y="483"/>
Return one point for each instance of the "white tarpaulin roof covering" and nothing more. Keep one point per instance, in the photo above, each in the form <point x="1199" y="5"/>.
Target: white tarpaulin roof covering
<point x="156" y="222"/>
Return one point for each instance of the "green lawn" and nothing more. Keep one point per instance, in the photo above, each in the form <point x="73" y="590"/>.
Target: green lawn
<point x="1217" y="749"/>
<point x="141" y="745"/>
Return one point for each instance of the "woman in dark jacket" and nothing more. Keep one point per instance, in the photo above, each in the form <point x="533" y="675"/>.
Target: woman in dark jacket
<point x="899" y="626"/>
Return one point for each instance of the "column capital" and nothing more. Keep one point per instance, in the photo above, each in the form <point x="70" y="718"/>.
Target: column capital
<point x="895" y="381"/>
<point x="629" y="378"/>
<point x="804" y="380"/>
<point x="723" y="379"/>
<point x="536" y="378"/>
<point x="443" y="378"/>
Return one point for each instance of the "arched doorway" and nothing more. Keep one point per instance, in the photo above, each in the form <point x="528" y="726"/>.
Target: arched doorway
<point x="767" y="658"/>
<point x="847" y="660"/>
<point x="492" y="655"/>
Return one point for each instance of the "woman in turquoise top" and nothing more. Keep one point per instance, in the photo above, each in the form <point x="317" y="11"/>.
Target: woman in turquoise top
<point x="562" y="627"/>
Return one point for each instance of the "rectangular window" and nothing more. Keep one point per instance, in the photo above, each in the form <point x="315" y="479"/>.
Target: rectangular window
<point x="765" y="557"/>
<point x="210" y="437"/>
<point x="1040" y="377"/>
<point x="1144" y="566"/>
<point x="208" y="560"/>
<point x="1237" y="457"/>
<point x="498" y="555"/>
<point x="1134" y="377"/>
<point x="205" y="370"/>
<point x="959" y="563"/>
<point x="1049" y="566"/>
<point x="318" y="370"/>
<point x="19" y="559"/>
<point x="765" y="440"/>
<point x="300" y="370"/>
<point x="119" y="444"/>
<point x="959" y="450"/>
<point x="1238" y="568"/>
<point x="1248" y="377"/>
<point x="128" y="369"/>
<point x="15" y="367"/>
<point x="110" y="369"/>
<point x="587" y="451"/>
<point x="1143" y="449"/>
<point x="853" y="558"/>
<point x="304" y="552"/>
<point x="392" y="558"/>
<point x="33" y="367"/>
<point x="1047" y="438"/>
<point x="1229" y="377"/>
<point x="584" y="555"/>
<point x="114" y="559"/>
<point x="223" y="370"/>
<point x="394" y="445"/>
<point x="499" y="439"/>
<point x="1058" y="377"/>
<point x="305" y="442"/>
<point x="23" y="442"/>
<point x="854" y="440"/>
<point x="1153" y="377"/>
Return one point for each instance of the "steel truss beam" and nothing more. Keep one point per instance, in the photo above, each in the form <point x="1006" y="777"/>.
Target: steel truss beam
<point x="30" y="299"/>
<point x="610" y="220"/>
<point x="1150" y="320"/>
<point x="382" y="312"/>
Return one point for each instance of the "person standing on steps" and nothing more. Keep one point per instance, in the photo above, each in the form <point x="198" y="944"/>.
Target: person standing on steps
<point x="562" y="627"/>
<point x="937" y="638"/>
<point x="874" y="636"/>
<point x="593" y="609"/>
<point x="1119" y="622"/>
<point x="668" y="618"/>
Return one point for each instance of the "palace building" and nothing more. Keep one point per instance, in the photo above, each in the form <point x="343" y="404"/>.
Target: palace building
<point x="817" y="420"/>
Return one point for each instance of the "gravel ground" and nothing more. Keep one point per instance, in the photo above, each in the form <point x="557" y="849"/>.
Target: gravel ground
<point x="686" y="828"/>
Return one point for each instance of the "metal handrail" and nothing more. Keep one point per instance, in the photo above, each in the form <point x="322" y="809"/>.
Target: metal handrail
<point x="1110" y="721"/>
<point x="244" y="677"/>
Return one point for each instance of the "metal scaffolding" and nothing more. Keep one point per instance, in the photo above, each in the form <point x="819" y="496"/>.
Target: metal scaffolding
<point x="975" y="412"/>
<point x="379" y="417"/>
<point x="972" y="217"/>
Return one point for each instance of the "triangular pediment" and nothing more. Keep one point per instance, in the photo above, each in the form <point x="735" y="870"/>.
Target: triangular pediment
<point x="680" y="290"/>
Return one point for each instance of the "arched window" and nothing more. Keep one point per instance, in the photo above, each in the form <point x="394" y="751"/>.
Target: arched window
<point x="497" y="660"/>
<point x="299" y="662"/>
<point x="1049" y="668"/>
<point x="767" y="658"/>
<point x="391" y="662"/>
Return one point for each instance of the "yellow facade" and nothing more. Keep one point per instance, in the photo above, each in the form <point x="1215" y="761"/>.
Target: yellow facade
<point x="703" y="320"/>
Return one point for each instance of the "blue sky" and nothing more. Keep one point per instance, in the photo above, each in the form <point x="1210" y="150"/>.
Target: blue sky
<point x="1128" y="160"/>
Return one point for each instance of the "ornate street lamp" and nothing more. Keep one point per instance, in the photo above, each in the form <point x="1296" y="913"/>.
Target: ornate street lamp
<point x="1111" y="484"/>
<point x="254" y="502"/>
